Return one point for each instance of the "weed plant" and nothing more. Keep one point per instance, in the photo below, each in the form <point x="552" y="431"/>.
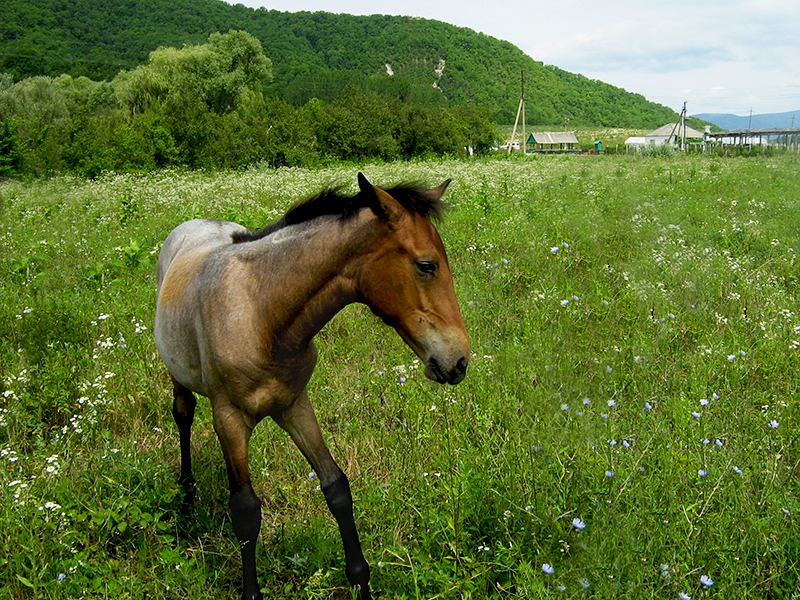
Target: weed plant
<point x="628" y="427"/>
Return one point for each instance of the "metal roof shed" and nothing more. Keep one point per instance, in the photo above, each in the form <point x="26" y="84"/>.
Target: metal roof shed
<point x="552" y="142"/>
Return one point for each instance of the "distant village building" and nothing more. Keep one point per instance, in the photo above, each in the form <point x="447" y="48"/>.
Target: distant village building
<point x="669" y="134"/>
<point x="552" y="142"/>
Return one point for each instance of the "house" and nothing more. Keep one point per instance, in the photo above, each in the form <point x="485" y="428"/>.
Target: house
<point x="552" y="142"/>
<point x="668" y="134"/>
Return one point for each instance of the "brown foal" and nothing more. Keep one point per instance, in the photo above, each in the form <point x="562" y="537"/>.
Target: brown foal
<point x="237" y="312"/>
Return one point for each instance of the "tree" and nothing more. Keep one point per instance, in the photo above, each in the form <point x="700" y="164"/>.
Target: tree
<point x="10" y="155"/>
<point x="218" y="74"/>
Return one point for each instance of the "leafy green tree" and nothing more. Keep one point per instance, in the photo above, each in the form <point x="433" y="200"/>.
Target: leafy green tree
<point x="218" y="74"/>
<point x="10" y="155"/>
<point x="359" y="124"/>
<point x="39" y="108"/>
<point x="477" y="131"/>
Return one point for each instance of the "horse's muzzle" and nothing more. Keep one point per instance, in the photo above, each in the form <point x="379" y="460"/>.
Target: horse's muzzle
<point x="435" y="371"/>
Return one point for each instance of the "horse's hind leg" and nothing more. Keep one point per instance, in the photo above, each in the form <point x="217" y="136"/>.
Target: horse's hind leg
<point x="183" y="405"/>
<point x="301" y="424"/>
<point x="234" y="435"/>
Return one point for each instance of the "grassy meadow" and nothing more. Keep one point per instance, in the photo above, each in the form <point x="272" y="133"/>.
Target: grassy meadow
<point x="628" y="427"/>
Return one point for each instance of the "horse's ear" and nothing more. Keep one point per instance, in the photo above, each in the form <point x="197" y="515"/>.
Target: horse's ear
<point x="437" y="192"/>
<point x="382" y="204"/>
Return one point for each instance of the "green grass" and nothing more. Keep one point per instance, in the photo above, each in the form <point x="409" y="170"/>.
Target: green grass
<point x="607" y="299"/>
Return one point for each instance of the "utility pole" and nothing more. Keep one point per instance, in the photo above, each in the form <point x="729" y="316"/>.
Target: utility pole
<point x="520" y="108"/>
<point x="679" y="131"/>
<point x="683" y="128"/>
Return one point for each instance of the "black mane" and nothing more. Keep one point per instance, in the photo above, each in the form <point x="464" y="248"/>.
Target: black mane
<point x="331" y="201"/>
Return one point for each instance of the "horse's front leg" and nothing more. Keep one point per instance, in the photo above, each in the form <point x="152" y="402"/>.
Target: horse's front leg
<point x="245" y="506"/>
<point x="301" y="424"/>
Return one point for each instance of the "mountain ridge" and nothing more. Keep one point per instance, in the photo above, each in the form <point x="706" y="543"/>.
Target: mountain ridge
<point x="762" y="121"/>
<point x="317" y="55"/>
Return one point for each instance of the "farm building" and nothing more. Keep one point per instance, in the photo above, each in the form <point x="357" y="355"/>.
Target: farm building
<point x="668" y="134"/>
<point x="552" y="142"/>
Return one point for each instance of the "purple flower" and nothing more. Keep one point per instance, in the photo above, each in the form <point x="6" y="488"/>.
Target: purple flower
<point x="696" y="414"/>
<point x="548" y="569"/>
<point x="774" y="424"/>
<point x="706" y="581"/>
<point x="702" y="473"/>
<point x="683" y="596"/>
<point x="578" y="524"/>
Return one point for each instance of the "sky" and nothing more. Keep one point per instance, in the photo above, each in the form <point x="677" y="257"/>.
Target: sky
<point x="718" y="56"/>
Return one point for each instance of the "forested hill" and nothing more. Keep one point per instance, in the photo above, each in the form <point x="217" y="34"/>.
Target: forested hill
<point x="317" y="55"/>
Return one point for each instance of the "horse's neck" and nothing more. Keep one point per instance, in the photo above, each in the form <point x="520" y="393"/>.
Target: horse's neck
<point x="311" y="277"/>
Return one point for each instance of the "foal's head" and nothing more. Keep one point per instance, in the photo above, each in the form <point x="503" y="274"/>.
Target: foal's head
<point x="406" y="279"/>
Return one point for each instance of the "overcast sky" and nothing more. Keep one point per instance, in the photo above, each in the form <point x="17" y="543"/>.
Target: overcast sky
<point x="719" y="56"/>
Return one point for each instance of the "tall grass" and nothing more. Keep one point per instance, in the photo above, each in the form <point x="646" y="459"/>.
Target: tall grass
<point x="629" y="423"/>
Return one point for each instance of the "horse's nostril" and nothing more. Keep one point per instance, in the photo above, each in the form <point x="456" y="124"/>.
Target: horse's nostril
<point x="459" y="371"/>
<point x="461" y="365"/>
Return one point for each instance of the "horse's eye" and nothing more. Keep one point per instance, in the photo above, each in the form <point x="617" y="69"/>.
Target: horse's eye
<point x="427" y="268"/>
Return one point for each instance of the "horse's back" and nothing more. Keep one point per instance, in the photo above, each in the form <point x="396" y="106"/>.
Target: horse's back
<point x="198" y="236"/>
<point x="181" y="264"/>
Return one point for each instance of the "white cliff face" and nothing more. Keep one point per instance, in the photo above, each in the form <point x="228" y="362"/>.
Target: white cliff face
<point x="439" y="69"/>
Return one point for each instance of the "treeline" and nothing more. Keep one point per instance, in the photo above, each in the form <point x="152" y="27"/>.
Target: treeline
<point x="205" y="106"/>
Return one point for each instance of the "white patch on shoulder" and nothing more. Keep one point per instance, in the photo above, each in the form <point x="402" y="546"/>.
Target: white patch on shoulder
<point x="296" y="232"/>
